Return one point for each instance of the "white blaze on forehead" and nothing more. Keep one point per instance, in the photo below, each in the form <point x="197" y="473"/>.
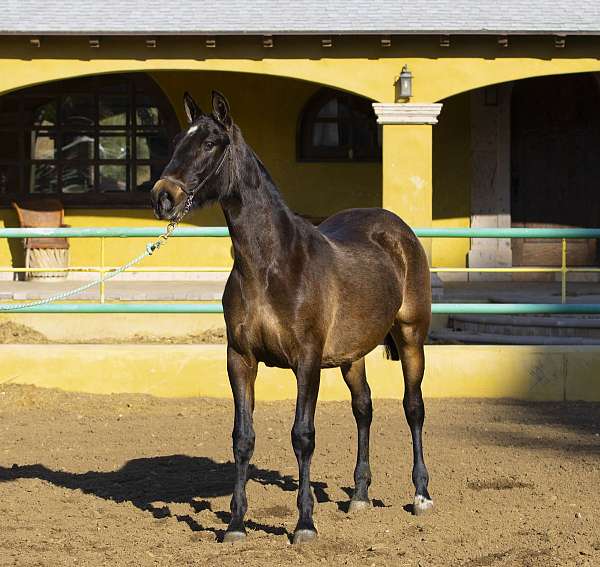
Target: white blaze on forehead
<point x="192" y="130"/>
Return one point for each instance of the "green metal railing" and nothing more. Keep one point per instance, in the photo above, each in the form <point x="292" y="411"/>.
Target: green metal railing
<point x="438" y="308"/>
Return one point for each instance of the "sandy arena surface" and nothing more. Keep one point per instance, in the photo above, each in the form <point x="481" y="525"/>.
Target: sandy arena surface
<point x="135" y="480"/>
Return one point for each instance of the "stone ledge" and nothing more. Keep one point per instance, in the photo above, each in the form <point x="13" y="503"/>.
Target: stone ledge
<point x="407" y="113"/>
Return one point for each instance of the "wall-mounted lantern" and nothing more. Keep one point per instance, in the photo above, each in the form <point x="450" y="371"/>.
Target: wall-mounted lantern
<point x="405" y="83"/>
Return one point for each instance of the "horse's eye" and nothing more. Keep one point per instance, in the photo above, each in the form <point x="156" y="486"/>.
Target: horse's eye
<point x="209" y="145"/>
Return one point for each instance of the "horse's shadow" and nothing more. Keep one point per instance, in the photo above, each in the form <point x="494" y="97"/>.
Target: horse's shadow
<point x="151" y="484"/>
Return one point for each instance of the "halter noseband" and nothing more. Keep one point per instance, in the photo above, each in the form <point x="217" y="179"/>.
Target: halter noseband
<point x="205" y="180"/>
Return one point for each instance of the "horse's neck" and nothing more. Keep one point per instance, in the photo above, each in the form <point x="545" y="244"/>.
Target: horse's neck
<point x="261" y="225"/>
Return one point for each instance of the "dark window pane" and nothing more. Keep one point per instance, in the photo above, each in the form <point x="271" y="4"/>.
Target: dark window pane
<point x="9" y="146"/>
<point x="78" y="110"/>
<point x="113" y="178"/>
<point x="148" y="175"/>
<point x="43" y="145"/>
<point x="40" y="111"/>
<point x="329" y="109"/>
<point x="43" y="178"/>
<point x="113" y="85"/>
<point x="113" y="110"/>
<point x="45" y="115"/>
<point x="77" y="145"/>
<point x="143" y="181"/>
<point x="325" y="134"/>
<point x="9" y="179"/>
<point x="153" y="145"/>
<point x="9" y="112"/>
<point x="339" y="126"/>
<point x="113" y="147"/>
<point x="146" y="112"/>
<point x="77" y="178"/>
<point x="365" y="131"/>
<point x="9" y="103"/>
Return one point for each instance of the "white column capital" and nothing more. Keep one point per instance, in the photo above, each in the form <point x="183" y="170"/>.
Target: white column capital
<point x="407" y="112"/>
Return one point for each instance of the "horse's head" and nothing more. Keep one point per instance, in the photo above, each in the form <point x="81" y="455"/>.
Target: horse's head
<point x="197" y="166"/>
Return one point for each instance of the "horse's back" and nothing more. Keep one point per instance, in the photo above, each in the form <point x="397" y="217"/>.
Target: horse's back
<point x="356" y="223"/>
<point x="380" y="228"/>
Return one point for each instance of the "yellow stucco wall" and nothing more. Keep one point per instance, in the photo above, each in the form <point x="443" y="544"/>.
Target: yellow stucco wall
<point x="357" y="64"/>
<point x="267" y="87"/>
<point x="540" y="373"/>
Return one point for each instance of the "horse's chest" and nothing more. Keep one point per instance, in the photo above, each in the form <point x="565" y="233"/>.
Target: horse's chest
<point x="266" y="333"/>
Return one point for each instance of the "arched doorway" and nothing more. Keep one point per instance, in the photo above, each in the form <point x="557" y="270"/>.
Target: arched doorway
<point x="555" y="165"/>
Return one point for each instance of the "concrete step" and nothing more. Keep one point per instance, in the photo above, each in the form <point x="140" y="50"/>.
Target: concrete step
<point x="450" y="336"/>
<point x="565" y="326"/>
<point x="208" y="289"/>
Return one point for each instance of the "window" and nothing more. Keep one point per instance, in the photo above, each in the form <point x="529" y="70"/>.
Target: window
<point x="93" y="141"/>
<point x="338" y="126"/>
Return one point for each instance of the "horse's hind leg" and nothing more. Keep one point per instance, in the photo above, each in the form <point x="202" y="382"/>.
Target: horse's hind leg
<point x="242" y="375"/>
<point x="409" y="340"/>
<point x="356" y="379"/>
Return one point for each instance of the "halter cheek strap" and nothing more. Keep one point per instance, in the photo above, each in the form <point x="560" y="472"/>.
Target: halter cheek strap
<point x="204" y="181"/>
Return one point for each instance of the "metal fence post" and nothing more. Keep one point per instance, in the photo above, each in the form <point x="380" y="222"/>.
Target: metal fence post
<point x="563" y="272"/>
<point x="102" y="284"/>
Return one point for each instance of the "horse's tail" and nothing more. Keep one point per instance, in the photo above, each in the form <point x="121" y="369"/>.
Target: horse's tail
<point x="391" y="350"/>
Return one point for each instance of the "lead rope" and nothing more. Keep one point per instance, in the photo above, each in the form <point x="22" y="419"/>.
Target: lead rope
<point x="151" y="247"/>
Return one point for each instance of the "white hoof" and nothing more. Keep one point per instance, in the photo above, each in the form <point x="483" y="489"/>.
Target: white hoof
<point x="422" y="505"/>
<point x="234" y="537"/>
<point x="304" y="536"/>
<point x="358" y="505"/>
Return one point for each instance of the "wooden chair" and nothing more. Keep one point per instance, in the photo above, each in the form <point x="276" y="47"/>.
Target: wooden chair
<point x="43" y="252"/>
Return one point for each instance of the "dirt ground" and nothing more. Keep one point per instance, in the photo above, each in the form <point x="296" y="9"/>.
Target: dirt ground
<point x="16" y="333"/>
<point x="135" y="480"/>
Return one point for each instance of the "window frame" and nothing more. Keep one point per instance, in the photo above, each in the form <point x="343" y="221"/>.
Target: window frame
<point x="138" y="86"/>
<point x="308" y="117"/>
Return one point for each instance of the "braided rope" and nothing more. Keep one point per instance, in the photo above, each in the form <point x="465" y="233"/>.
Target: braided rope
<point x="151" y="247"/>
<point x="67" y="294"/>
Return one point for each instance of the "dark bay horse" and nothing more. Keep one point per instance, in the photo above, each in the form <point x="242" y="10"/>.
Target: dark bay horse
<point x="303" y="297"/>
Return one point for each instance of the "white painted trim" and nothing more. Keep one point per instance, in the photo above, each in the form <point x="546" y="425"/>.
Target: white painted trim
<point x="407" y="112"/>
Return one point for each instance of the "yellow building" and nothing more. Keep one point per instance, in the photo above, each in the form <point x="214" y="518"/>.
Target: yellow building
<point x="501" y="127"/>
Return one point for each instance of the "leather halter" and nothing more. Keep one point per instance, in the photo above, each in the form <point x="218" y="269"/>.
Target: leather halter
<point x="204" y="181"/>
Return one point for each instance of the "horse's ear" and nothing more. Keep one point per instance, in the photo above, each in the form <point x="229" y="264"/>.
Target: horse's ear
<point x="192" y="110"/>
<point x="221" y="109"/>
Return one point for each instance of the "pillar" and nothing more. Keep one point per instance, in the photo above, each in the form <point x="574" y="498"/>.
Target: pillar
<point x="407" y="162"/>
<point x="490" y="178"/>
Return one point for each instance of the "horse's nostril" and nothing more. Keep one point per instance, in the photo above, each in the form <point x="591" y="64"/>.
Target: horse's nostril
<point x="165" y="203"/>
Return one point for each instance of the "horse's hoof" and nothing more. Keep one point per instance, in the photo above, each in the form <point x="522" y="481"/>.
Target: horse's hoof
<point x="304" y="536"/>
<point x="358" y="505"/>
<point x="233" y="536"/>
<point x="422" y="505"/>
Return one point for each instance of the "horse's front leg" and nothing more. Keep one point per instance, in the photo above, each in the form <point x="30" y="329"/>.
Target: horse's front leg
<point x="308" y="376"/>
<point x="242" y="375"/>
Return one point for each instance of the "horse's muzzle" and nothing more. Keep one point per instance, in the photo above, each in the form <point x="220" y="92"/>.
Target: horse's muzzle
<point x="167" y="197"/>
